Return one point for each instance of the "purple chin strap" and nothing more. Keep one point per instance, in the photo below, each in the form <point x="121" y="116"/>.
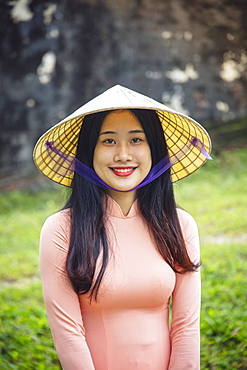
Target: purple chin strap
<point x="89" y="174"/>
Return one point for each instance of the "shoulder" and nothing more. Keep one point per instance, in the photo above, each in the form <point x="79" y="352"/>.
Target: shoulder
<point x="190" y="233"/>
<point x="187" y="223"/>
<point x="185" y="218"/>
<point x="59" y="218"/>
<point x="54" y="241"/>
<point x="58" y="223"/>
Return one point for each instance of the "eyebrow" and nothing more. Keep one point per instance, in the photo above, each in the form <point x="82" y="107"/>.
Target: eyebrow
<point x="130" y="132"/>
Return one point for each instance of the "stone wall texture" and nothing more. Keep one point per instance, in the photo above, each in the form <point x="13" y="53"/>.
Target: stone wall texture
<point x="56" y="55"/>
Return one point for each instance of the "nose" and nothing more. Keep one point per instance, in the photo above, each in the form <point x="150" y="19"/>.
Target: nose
<point x="123" y="153"/>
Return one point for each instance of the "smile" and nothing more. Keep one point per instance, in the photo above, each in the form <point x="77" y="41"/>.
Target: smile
<point x="122" y="172"/>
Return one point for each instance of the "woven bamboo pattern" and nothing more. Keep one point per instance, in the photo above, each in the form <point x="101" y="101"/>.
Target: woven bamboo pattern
<point x="178" y="128"/>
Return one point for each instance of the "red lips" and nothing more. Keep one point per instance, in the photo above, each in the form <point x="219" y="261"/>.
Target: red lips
<point x="123" y="171"/>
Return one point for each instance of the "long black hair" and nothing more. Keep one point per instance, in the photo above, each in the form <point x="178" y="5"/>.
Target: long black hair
<point x="87" y="202"/>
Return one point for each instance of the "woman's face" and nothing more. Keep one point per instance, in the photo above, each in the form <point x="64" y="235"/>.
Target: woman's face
<point x="122" y="157"/>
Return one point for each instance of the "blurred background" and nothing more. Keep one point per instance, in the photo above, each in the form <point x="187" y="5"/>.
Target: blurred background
<point x="189" y="54"/>
<point x="57" y="55"/>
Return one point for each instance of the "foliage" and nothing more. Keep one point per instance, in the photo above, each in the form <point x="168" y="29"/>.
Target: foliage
<point x="224" y="318"/>
<point x="226" y="134"/>
<point x="22" y="215"/>
<point x="215" y="195"/>
<point x="25" y="338"/>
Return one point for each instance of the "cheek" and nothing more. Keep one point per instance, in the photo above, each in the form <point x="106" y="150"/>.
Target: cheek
<point x="101" y="157"/>
<point x="96" y="158"/>
<point x="145" y="157"/>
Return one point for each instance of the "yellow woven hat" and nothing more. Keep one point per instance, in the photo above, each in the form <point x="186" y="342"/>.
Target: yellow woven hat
<point x="179" y="130"/>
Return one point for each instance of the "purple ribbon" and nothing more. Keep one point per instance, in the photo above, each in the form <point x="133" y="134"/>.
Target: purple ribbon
<point x="73" y="164"/>
<point x="199" y="145"/>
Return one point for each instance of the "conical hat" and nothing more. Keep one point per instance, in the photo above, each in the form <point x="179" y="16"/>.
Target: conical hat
<point x="179" y="130"/>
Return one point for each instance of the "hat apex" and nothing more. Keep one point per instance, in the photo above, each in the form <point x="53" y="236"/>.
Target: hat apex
<point x="118" y="97"/>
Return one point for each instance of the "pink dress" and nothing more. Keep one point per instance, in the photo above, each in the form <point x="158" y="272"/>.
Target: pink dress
<point x="128" y="327"/>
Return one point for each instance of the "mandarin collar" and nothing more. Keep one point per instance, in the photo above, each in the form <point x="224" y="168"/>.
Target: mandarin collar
<point x="114" y="209"/>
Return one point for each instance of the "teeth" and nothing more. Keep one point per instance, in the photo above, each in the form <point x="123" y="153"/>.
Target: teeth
<point x="123" y="170"/>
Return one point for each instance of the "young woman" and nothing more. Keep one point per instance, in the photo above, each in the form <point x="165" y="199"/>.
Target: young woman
<point x="120" y="255"/>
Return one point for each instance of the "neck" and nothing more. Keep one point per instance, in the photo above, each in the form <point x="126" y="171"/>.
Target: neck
<point x="125" y="200"/>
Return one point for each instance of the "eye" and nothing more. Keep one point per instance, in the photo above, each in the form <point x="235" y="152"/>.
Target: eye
<point x="109" y="141"/>
<point x="136" y="140"/>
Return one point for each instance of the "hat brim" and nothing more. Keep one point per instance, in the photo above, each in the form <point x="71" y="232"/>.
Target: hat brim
<point x="178" y="128"/>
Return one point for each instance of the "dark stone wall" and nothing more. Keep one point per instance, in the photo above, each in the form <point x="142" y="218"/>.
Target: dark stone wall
<point x="56" y="55"/>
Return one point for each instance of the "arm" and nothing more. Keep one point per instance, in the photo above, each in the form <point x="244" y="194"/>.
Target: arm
<point x="62" y="304"/>
<point x="186" y="298"/>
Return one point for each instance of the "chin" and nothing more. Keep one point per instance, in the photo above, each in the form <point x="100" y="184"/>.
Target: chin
<point x="122" y="189"/>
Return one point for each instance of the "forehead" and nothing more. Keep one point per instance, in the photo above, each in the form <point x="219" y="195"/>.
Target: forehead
<point x="121" y="120"/>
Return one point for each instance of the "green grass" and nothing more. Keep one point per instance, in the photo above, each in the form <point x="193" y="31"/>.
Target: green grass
<point x="25" y="338"/>
<point x="216" y="197"/>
